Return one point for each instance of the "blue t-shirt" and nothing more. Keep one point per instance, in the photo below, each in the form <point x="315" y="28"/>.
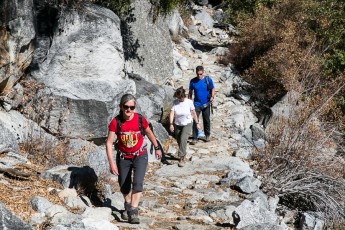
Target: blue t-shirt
<point x="200" y="90"/>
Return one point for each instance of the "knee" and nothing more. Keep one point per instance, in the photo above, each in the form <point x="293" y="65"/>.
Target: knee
<point x="125" y="190"/>
<point x="138" y="187"/>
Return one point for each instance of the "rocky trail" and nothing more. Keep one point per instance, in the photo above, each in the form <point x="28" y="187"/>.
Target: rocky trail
<point x="194" y="196"/>
<point x="216" y="189"/>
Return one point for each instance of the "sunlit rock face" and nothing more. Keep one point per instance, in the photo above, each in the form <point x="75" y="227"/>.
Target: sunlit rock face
<point x="147" y="44"/>
<point x="79" y="60"/>
<point x="16" y="41"/>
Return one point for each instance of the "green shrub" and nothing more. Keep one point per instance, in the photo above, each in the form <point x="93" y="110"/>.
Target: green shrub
<point x="120" y="7"/>
<point x="327" y="19"/>
<point x="165" y="7"/>
<point x="335" y="61"/>
<point x="236" y="10"/>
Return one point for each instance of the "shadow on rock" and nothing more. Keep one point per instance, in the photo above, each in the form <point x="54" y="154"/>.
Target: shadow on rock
<point x="84" y="180"/>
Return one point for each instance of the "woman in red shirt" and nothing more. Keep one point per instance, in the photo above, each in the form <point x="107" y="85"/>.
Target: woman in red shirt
<point x="131" y="154"/>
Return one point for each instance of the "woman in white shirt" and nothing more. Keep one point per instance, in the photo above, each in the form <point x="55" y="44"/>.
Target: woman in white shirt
<point x="183" y="111"/>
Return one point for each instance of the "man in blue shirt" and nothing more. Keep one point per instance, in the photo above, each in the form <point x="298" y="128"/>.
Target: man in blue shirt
<point x="204" y="91"/>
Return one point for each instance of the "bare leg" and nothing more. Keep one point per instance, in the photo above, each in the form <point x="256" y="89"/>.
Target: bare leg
<point x="128" y="197"/>
<point x="136" y="199"/>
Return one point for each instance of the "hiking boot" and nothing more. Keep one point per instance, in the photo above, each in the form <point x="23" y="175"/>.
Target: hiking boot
<point x="202" y="138"/>
<point x="165" y="162"/>
<point x="124" y="214"/>
<point x="133" y="216"/>
<point x="193" y="142"/>
<point x="207" y="139"/>
<point x="181" y="162"/>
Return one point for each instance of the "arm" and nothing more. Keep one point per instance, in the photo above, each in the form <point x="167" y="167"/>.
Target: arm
<point x="153" y="140"/>
<point x="190" y="94"/>
<point x="109" y="150"/>
<point x="195" y="118"/>
<point x="171" y="119"/>
<point x="213" y="92"/>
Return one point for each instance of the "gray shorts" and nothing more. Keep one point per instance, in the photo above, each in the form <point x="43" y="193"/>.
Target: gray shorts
<point x="138" y="166"/>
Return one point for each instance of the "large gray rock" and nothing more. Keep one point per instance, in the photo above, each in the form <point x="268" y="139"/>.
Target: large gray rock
<point x="83" y="74"/>
<point x="248" y="184"/>
<point x="159" y="131"/>
<point x="310" y="222"/>
<point x="40" y="204"/>
<point x="61" y="174"/>
<point x="75" y="202"/>
<point x="13" y="98"/>
<point x="12" y="159"/>
<point x="152" y="99"/>
<point x="90" y="223"/>
<point x="86" y="153"/>
<point x="74" y="118"/>
<point x="70" y="117"/>
<point x="60" y="215"/>
<point x="240" y="118"/>
<point x="22" y="129"/>
<point x="100" y="213"/>
<point x="86" y="51"/>
<point x="16" y="41"/>
<point x="263" y="227"/>
<point x="255" y="212"/>
<point x="284" y="109"/>
<point x="7" y="139"/>
<point x="176" y="25"/>
<point x="205" y="18"/>
<point x="147" y="45"/>
<point x="84" y="118"/>
<point x="10" y="221"/>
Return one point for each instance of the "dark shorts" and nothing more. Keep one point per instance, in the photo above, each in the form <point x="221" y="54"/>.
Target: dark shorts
<point x="136" y="166"/>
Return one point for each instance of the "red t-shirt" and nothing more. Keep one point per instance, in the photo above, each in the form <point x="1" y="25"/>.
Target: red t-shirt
<point x="129" y="138"/>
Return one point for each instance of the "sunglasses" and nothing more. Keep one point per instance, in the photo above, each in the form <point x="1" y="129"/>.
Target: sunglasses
<point x="126" y="107"/>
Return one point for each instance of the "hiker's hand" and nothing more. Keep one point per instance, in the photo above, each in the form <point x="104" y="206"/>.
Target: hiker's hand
<point x="158" y="154"/>
<point x="113" y="169"/>
<point x="211" y="99"/>
<point x="198" y="126"/>
<point x="171" y="128"/>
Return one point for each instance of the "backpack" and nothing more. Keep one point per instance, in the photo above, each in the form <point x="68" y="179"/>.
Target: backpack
<point x="208" y="87"/>
<point x="140" y="121"/>
<point x="119" y="124"/>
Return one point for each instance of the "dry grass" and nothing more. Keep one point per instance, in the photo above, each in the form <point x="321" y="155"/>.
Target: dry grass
<point x="15" y="193"/>
<point x="300" y="163"/>
<point x="278" y="54"/>
<point x="298" y="168"/>
<point x="45" y="153"/>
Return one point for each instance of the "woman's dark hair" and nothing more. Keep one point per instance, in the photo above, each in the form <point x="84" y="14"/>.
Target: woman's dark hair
<point x="180" y="93"/>
<point x="127" y="97"/>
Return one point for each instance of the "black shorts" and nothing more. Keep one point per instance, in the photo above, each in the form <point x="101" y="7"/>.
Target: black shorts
<point x="138" y="166"/>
